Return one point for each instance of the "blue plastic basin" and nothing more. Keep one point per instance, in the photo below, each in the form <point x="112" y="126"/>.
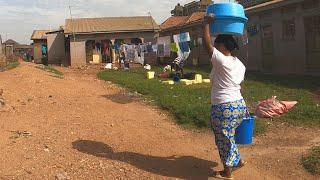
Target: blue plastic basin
<point x="244" y="133"/>
<point x="229" y="18"/>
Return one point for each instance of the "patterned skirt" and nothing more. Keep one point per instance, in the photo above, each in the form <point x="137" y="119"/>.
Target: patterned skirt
<point x="225" y="118"/>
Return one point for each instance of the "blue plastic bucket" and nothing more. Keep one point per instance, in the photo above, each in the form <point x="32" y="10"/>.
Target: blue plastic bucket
<point x="229" y="18"/>
<point x="244" y="133"/>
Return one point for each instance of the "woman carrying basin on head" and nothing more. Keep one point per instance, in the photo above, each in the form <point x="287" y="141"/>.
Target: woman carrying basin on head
<point x="228" y="105"/>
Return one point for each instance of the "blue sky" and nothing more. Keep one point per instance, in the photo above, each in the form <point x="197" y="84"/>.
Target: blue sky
<point x="18" y="18"/>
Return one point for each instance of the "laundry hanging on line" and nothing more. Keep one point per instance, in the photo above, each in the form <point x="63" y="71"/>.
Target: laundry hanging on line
<point x="174" y="47"/>
<point x="160" y="50"/>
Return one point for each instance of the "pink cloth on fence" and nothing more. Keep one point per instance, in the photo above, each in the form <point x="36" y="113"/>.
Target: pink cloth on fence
<point x="272" y="107"/>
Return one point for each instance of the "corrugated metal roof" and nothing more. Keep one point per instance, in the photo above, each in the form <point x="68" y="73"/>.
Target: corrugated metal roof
<point x="39" y="34"/>
<point x="270" y="4"/>
<point x="196" y="17"/>
<point x="11" y="42"/>
<point x="110" y="24"/>
<point x="24" y="46"/>
<point x="178" y="21"/>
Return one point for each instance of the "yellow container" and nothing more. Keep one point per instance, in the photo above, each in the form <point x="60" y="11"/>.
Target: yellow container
<point x="170" y="82"/>
<point x="187" y="82"/>
<point x="198" y="78"/>
<point x="96" y="59"/>
<point x="150" y="74"/>
<point x="206" y="80"/>
<point x="193" y="81"/>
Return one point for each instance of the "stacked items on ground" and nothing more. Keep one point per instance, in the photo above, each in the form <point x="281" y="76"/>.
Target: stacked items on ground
<point x="198" y="79"/>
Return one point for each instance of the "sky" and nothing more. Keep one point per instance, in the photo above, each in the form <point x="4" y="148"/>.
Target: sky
<point x="18" y="18"/>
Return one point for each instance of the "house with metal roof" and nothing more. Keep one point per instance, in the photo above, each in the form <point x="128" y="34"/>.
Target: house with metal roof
<point x="283" y="36"/>
<point x="12" y="49"/>
<point x="39" y="38"/>
<point x="86" y="37"/>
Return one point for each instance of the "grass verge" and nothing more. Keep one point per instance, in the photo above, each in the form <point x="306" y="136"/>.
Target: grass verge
<point x="191" y="104"/>
<point x="12" y="65"/>
<point x="311" y="162"/>
<point x="52" y="70"/>
<point x="9" y="66"/>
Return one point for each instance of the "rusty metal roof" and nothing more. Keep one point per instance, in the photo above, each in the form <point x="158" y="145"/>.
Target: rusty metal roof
<point x="179" y="21"/>
<point x="39" y="34"/>
<point x="174" y="21"/>
<point x="110" y="25"/>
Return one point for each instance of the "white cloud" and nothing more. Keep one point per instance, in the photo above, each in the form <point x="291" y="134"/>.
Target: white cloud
<point x="18" y="18"/>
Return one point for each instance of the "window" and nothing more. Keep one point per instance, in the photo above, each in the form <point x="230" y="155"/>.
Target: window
<point x="288" y="29"/>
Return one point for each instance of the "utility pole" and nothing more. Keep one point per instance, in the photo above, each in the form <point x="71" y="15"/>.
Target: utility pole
<point x="73" y="33"/>
<point x="149" y="13"/>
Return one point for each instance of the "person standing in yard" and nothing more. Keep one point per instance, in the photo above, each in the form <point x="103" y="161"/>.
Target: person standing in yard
<point x="228" y="105"/>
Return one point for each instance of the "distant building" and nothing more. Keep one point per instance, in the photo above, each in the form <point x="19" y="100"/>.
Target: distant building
<point x="190" y="8"/>
<point x="9" y="46"/>
<point x="39" y="38"/>
<point x="89" y="39"/>
<point x="14" y="49"/>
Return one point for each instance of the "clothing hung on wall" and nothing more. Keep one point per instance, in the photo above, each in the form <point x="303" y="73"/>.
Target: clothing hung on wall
<point x="130" y="52"/>
<point x="161" y="50"/>
<point x="181" y="40"/>
<point x="184" y="46"/>
<point x="149" y="48"/>
<point x="154" y="48"/>
<point x="143" y="48"/>
<point x="166" y="41"/>
<point x="98" y="46"/>
<point x="174" y="47"/>
<point x="106" y="48"/>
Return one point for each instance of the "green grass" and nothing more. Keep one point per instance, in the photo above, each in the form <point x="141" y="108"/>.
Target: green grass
<point x="52" y="70"/>
<point x="296" y="88"/>
<point x="12" y="65"/>
<point x="311" y="162"/>
<point x="191" y="104"/>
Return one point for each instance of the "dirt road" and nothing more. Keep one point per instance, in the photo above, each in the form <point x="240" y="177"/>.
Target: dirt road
<point x="81" y="128"/>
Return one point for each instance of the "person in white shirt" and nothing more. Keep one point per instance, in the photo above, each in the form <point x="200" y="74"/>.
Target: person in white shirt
<point x="228" y="105"/>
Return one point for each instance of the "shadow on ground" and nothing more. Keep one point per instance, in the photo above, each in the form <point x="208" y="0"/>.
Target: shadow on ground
<point x="185" y="167"/>
<point x="120" y="98"/>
